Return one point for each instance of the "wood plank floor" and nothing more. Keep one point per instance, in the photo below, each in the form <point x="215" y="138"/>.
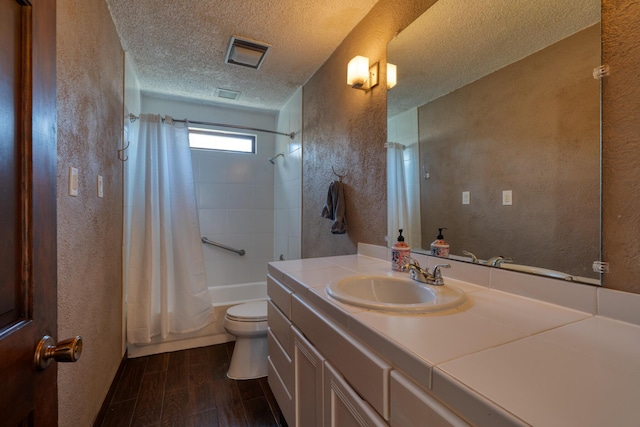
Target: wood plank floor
<point x="190" y="388"/>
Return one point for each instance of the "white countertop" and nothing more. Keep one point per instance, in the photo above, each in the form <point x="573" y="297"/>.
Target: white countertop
<point x="545" y="364"/>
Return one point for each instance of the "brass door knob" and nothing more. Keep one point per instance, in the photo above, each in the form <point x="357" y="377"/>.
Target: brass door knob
<point x="65" y="351"/>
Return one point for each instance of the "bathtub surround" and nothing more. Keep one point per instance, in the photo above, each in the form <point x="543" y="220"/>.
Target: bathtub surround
<point x="166" y="292"/>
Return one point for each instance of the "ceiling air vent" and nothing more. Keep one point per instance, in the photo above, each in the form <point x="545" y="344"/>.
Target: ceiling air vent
<point x="246" y="52"/>
<point x="227" y="94"/>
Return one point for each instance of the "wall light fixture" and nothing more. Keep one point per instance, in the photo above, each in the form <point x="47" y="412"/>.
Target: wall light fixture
<point x="392" y="75"/>
<point x="360" y="75"/>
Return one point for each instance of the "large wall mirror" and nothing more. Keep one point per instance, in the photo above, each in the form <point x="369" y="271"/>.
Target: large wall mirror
<point x="498" y="112"/>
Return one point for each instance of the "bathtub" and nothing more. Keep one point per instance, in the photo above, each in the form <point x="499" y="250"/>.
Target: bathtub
<point x="222" y="298"/>
<point x="237" y="294"/>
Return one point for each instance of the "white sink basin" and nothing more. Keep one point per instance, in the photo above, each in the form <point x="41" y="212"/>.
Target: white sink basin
<point x="394" y="294"/>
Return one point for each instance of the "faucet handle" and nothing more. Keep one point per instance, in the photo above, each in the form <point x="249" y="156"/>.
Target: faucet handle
<point x="412" y="262"/>
<point x="436" y="270"/>
<point x="474" y="258"/>
<point x="436" y="277"/>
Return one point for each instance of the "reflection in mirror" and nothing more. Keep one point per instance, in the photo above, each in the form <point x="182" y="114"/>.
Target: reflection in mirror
<point x="499" y="96"/>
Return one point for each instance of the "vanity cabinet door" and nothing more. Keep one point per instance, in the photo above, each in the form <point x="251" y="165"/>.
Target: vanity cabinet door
<point x="309" y="365"/>
<point x="413" y="407"/>
<point x="343" y="407"/>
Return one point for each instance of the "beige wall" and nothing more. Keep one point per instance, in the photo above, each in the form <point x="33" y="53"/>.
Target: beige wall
<point x="347" y="128"/>
<point x="90" y="119"/>
<point x="621" y="144"/>
<point x="532" y="127"/>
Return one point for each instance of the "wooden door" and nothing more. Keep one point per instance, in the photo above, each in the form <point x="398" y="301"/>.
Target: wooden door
<point x="27" y="209"/>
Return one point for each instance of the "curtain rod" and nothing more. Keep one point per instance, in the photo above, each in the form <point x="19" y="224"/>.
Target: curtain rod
<point x="291" y="135"/>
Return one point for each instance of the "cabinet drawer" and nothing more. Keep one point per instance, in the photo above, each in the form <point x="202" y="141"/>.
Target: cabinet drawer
<point x="413" y="407"/>
<point x="280" y="360"/>
<point x="280" y="295"/>
<point x="342" y="405"/>
<point x="280" y="392"/>
<point x="280" y="326"/>
<point x="366" y="372"/>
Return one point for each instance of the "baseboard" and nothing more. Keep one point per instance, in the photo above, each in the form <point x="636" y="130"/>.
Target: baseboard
<point x="112" y="390"/>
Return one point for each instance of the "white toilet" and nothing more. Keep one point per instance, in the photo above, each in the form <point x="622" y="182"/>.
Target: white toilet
<point x="248" y="323"/>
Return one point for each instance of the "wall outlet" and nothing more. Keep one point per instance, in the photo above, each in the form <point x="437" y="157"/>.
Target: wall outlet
<point x="465" y="197"/>
<point x="73" y="181"/>
<point x="100" y="186"/>
<point x="507" y="198"/>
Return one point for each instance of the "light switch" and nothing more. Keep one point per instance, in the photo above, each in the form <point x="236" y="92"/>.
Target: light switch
<point x="73" y="181"/>
<point x="100" y="186"/>
<point x="465" y="197"/>
<point x="507" y="198"/>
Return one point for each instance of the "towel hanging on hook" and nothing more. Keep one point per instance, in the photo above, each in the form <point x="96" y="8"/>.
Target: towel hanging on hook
<point x="334" y="208"/>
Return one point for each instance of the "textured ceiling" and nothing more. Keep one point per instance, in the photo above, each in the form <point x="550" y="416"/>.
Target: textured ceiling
<point x="178" y="47"/>
<point x="457" y="42"/>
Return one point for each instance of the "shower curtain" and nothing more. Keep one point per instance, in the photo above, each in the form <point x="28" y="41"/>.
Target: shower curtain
<point x="167" y="291"/>
<point x="397" y="209"/>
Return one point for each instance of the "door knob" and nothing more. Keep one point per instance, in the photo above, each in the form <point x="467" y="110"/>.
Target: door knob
<point x="65" y="351"/>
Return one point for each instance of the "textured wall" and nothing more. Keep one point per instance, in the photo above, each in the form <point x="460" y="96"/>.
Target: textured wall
<point x="534" y="128"/>
<point x="621" y="144"/>
<point x="346" y="128"/>
<point x="90" y="119"/>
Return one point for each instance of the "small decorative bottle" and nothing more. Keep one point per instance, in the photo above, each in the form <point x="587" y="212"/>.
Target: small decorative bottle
<point x="400" y="254"/>
<point x="439" y="247"/>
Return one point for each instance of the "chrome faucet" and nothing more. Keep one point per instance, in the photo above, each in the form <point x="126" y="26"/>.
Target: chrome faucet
<point x="474" y="258"/>
<point x="423" y="275"/>
<point x="497" y="260"/>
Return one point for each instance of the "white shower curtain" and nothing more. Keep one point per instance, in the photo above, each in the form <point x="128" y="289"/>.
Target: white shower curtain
<point x="397" y="209"/>
<point x="167" y="291"/>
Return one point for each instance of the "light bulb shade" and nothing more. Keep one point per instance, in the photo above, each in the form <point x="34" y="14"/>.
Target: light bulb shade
<point x="392" y="75"/>
<point x="358" y="71"/>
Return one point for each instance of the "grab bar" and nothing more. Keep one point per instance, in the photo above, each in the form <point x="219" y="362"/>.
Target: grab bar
<point x="240" y="252"/>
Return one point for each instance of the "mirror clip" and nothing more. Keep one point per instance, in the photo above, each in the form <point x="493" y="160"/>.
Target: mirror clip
<point x="600" y="72"/>
<point x="600" y="267"/>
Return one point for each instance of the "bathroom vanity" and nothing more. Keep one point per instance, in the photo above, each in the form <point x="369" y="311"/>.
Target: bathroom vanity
<point x="522" y="350"/>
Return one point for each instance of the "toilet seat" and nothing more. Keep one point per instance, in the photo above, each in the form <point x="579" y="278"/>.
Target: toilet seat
<point x="248" y="312"/>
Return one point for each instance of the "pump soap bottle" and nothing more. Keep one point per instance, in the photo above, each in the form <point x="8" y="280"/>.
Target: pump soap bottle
<point x="439" y="247"/>
<point x="400" y="254"/>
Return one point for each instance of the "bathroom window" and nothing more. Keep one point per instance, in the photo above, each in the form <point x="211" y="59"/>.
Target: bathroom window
<point x="210" y="139"/>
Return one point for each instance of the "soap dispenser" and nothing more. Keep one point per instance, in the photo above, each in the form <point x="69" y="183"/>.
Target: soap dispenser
<point x="440" y="247"/>
<point x="400" y="254"/>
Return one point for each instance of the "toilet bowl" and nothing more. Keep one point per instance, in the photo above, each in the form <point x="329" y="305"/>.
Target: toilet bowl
<point x="248" y="323"/>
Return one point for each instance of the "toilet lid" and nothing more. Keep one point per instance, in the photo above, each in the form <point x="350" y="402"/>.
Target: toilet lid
<point x="249" y="312"/>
